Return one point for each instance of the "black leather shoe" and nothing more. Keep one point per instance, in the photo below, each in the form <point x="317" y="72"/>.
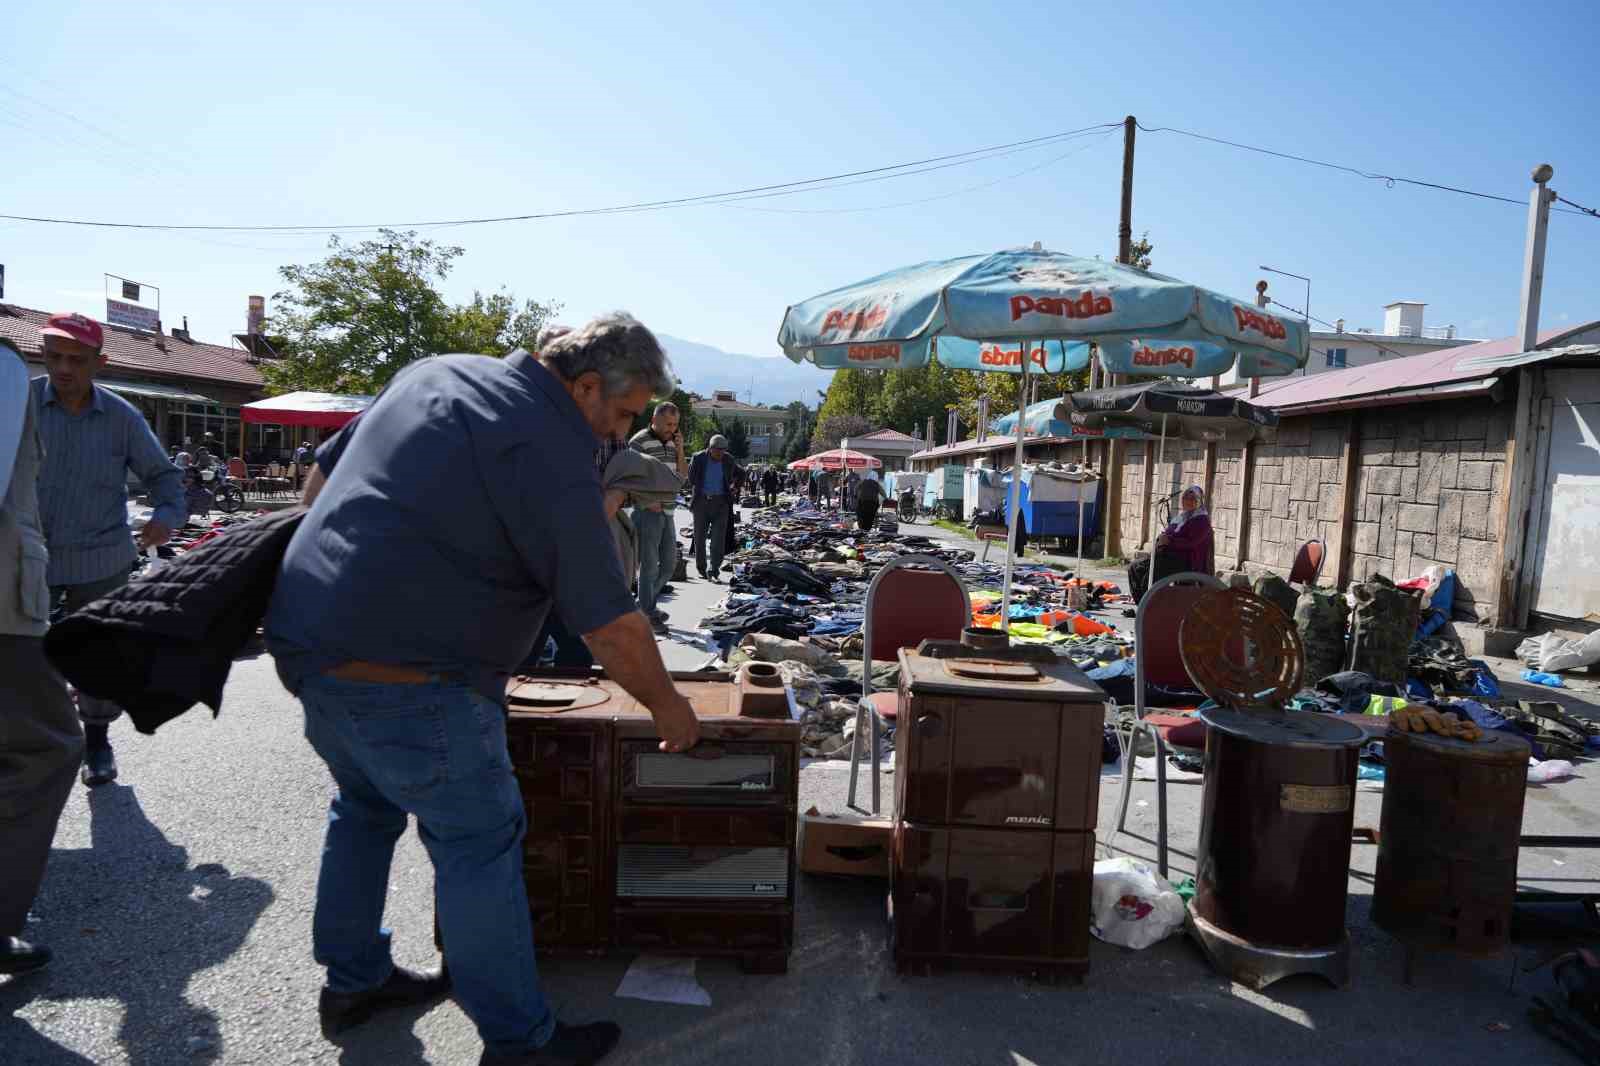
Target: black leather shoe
<point x="570" y="1045"/>
<point x="99" y="765"/>
<point x="19" y="956"/>
<point x="404" y="988"/>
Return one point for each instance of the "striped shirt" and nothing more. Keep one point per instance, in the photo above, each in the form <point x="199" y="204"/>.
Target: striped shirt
<point x="663" y="451"/>
<point x="83" y="494"/>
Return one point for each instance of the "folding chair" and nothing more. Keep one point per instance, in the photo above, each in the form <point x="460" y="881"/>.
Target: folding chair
<point x="1308" y="563"/>
<point x="241" y="475"/>
<point x="1157" y="660"/>
<point x="904" y="607"/>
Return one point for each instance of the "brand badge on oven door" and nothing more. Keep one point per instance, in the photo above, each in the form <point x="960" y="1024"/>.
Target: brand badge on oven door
<point x="1027" y="819"/>
<point x="765" y="888"/>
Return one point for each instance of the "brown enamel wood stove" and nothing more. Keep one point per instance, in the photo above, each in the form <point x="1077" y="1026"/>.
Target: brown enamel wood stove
<point x="630" y="847"/>
<point x="996" y="800"/>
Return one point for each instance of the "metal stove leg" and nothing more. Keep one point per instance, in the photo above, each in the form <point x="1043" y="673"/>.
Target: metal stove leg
<point x="855" y="753"/>
<point x="876" y="760"/>
<point x="1161" y="803"/>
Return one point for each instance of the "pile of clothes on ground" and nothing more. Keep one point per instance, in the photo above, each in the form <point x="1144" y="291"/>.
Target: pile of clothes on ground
<point x="797" y="598"/>
<point x="1381" y="647"/>
<point x="195" y="532"/>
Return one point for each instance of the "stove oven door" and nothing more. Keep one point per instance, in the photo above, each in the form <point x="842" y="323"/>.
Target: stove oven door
<point x="983" y="763"/>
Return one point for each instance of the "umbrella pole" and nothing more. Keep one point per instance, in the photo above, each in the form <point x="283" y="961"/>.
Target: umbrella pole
<point x="1078" y="573"/>
<point x="1016" y="491"/>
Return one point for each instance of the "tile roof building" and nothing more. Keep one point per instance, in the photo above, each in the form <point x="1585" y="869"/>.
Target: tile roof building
<point x="185" y="388"/>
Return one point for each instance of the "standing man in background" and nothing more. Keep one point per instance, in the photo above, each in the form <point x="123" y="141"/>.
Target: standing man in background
<point x="869" y="497"/>
<point x="92" y="438"/>
<point x="713" y="477"/>
<point x="769" y="486"/>
<point x="41" y="744"/>
<point x="658" y="544"/>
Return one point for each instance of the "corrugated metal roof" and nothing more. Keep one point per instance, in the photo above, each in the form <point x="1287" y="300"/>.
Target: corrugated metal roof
<point x="1410" y="375"/>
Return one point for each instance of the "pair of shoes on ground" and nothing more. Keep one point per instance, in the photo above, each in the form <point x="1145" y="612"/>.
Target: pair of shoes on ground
<point x="570" y="1045"/>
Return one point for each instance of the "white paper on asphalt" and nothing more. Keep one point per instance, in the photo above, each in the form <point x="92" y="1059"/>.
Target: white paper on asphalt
<point x="663" y="980"/>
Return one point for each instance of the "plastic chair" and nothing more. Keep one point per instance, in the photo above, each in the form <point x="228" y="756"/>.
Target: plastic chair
<point x="241" y="475"/>
<point x="903" y="608"/>
<point x="1308" y="563"/>
<point x="1158" y="660"/>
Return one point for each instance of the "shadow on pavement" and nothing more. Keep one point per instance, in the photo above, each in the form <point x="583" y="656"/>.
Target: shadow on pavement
<point x="130" y="921"/>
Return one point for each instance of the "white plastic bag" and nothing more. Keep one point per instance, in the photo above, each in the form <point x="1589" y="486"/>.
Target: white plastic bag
<point x="1132" y="905"/>
<point x="1550" y="771"/>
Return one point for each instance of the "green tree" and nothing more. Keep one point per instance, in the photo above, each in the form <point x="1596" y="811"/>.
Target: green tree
<point x="738" y="438"/>
<point x="495" y="325"/>
<point x="352" y="320"/>
<point x="909" y="397"/>
<point x="852" y="392"/>
<point x="1140" y="251"/>
<point x="831" y="429"/>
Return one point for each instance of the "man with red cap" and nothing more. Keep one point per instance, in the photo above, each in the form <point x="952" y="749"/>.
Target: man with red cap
<point x="92" y="437"/>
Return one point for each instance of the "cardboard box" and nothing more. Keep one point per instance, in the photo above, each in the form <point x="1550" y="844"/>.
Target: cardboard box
<point x="849" y="843"/>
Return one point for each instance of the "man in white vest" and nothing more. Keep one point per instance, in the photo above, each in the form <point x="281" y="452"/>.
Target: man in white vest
<point x="41" y="743"/>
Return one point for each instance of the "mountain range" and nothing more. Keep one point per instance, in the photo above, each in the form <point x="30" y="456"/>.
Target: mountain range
<point x="756" y="378"/>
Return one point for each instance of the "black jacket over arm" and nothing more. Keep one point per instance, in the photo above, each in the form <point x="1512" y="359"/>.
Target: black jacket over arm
<point x="162" y="643"/>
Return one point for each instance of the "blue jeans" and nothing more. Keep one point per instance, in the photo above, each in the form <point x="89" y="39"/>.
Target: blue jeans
<point x="436" y="751"/>
<point x="658" y="554"/>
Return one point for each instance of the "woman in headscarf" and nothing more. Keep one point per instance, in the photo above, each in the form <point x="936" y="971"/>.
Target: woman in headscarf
<point x="1185" y="545"/>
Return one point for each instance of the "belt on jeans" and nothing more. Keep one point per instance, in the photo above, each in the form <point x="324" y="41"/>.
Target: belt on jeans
<point x="381" y="673"/>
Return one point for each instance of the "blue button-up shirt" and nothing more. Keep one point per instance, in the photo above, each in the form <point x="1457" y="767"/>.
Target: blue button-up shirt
<point x="458" y="509"/>
<point x="83" y="486"/>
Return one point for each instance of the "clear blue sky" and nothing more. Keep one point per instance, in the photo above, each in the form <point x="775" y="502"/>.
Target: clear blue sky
<point x="364" y="112"/>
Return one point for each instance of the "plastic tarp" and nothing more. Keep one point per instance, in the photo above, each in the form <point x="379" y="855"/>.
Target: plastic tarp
<point x="320" y="410"/>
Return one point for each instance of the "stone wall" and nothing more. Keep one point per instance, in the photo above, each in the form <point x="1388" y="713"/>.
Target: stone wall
<point x="1431" y="479"/>
<point x="1295" y="494"/>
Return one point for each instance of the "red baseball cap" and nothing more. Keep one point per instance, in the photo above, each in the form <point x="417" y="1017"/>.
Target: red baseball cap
<point x="74" y="327"/>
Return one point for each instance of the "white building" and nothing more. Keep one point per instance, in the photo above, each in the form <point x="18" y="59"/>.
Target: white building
<point x="1403" y="334"/>
<point x="889" y="445"/>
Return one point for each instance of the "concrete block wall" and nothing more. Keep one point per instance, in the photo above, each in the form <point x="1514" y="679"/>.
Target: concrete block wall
<point x="1429" y="490"/>
<point x="1431" y="484"/>
<point x="1296" y="491"/>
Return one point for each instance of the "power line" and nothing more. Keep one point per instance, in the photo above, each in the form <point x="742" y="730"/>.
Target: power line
<point x="1388" y="179"/>
<point x="1358" y="338"/>
<point x="942" y="196"/>
<point x="1580" y="207"/>
<point x="919" y="166"/>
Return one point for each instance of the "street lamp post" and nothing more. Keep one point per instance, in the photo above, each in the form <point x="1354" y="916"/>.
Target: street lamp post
<point x="1297" y="277"/>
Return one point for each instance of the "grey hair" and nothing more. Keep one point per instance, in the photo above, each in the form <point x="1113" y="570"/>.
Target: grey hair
<point x="548" y="334"/>
<point x="665" y="407"/>
<point x="618" y="348"/>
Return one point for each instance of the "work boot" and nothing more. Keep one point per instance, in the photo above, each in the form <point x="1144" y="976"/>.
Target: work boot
<point x="404" y="988"/>
<point x="99" y="762"/>
<point x="19" y="956"/>
<point x="570" y="1045"/>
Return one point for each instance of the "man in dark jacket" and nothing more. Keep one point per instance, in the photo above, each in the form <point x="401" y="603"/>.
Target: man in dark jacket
<point x="769" y="486"/>
<point x="41" y="743"/>
<point x="714" y="478"/>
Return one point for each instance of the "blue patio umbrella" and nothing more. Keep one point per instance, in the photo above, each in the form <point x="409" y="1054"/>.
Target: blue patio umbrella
<point x="983" y="312"/>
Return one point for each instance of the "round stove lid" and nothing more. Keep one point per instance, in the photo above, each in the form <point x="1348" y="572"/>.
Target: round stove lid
<point x="553" y="696"/>
<point x="1492" y="746"/>
<point x="1293" y="728"/>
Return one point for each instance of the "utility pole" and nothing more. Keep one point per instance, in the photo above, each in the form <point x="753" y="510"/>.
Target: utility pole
<point x="1130" y="126"/>
<point x="1113" y="494"/>
<point x="1539" y="201"/>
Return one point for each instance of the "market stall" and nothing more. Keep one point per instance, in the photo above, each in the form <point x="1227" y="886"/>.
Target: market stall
<point x="316" y="410"/>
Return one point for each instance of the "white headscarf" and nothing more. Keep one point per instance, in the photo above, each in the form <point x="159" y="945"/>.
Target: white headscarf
<point x="1200" y="506"/>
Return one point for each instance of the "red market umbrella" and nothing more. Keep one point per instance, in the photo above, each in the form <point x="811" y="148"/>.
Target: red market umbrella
<point x="837" y="459"/>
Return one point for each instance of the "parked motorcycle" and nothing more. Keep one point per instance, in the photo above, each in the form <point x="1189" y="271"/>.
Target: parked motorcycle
<point x="209" y="489"/>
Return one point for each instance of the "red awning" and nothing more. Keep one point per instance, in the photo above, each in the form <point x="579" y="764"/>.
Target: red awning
<point x="321" y="410"/>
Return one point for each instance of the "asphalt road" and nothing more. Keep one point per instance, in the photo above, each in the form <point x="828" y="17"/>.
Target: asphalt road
<point x="178" y="901"/>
